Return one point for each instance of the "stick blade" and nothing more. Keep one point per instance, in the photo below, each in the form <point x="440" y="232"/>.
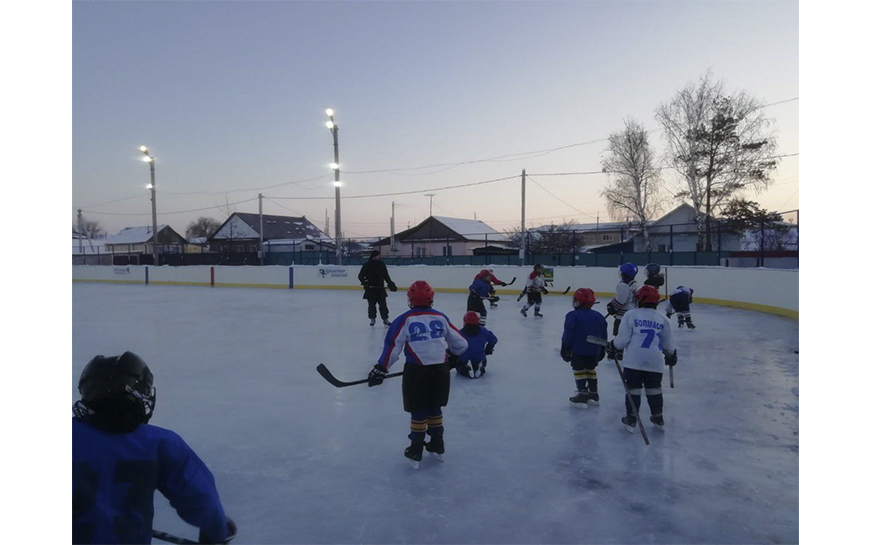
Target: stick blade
<point x="593" y="339"/>
<point x="328" y="376"/>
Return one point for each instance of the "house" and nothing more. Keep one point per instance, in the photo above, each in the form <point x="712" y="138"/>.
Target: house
<point x="676" y="231"/>
<point x="138" y="241"/>
<point x="241" y="233"/>
<point x="577" y="237"/>
<point x="443" y="236"/>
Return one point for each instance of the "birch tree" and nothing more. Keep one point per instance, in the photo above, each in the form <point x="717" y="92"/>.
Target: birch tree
<point x="719" y="144"/>
<point x="634" y="189"/>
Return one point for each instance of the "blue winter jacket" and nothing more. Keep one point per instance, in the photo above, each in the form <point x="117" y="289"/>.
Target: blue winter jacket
<point x="580" y="323"/>
<point x="115" y="476"/>
<point x="477" y="344"/>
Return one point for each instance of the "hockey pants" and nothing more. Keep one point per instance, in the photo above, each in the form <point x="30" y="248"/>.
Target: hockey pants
<point x="635" y="380"/>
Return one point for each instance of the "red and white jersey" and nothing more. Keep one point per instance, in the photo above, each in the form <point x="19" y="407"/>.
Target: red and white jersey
<point x="625" y="297"/>
<point x="423" y="335"/>
<point x="535" y="283"/>
<point x="644" y="336"/>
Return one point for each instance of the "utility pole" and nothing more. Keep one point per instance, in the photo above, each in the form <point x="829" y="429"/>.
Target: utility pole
<point x="326" y="223"/>
<point x="260" y="212"/>
<point x="431" y="195"/>
<point x="81" y="249"/>
<point x="523" y="216"/>
<point x="393" y="240"/>
<point x="334" y="129"/>
<point x="150" y="160"/>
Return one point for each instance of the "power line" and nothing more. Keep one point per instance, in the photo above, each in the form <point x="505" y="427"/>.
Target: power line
<point x="558" y="198"/>
<point x="170" y="213"/>
<point x="402" y="192"/>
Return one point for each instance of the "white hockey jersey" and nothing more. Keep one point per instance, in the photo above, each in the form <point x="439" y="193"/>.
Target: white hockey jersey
<point x="644" y="336"/>
<point x="535" y="283"/>
<point x="423" y="335"/>
<point x="625" y="297"/>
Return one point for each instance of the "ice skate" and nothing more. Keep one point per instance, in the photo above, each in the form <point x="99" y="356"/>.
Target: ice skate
<point x="372" y="322"/>
<point x="689" y="324"/>
<point x="657" y="420"/>
<point x="538" y="314"/>
<point x="413" y="454"/>
<point x="580" y="399"/>
<point x="594" y="399"/>
<point x="386" y="322"/>
<point x="629" y="423"/>
<point x="524" y="312"/>
<point x="436" y="448"/>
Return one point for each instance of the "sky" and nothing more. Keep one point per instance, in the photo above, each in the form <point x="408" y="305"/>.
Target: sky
<point x="230" y="98"/>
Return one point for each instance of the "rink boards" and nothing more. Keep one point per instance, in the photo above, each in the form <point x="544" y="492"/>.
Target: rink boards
<point x="773" y="291"/>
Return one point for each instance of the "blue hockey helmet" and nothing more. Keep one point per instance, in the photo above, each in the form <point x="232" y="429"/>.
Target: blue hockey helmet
<point x="629" y="271"/>
<point x="651" y="270"/>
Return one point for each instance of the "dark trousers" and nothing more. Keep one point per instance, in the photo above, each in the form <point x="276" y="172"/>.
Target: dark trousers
<point x="635" y="380"/>
<point x="380" y="297"/>
<point x="584" y="371"/>
<point x="475" y="304"/>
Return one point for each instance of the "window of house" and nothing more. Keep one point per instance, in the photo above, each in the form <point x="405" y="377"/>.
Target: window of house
<point x="420" y="251"/>
<point x="661" y="247"/>
<point x="308" y="246"/>
<point x="608" y="237"/>
<point x="446" y="250"/>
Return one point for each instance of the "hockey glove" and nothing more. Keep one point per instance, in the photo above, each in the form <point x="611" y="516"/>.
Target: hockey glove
<point x="602" y="355"/>
<point x="669" y="315"/>
<point x="612" y="309"/>
<point x="566" y="353"/>
<point x="392" y="287"/>
<point x="453" y="361"/>
<point x="613" y="353"/>
<point x="488" y="350"/>
<point x="672" y="359"/>
<point x="231" y="533"/>
<point x="376" y="376"/>
<point x="544" y="291"/>
<point x="503" y="284"/>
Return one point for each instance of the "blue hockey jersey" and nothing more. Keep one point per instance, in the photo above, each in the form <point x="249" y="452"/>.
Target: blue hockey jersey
<point x="580" y="323"/>
<point x="115" y="476"/>
<point x="480" y="288"/>
<point x="477" y="344"/>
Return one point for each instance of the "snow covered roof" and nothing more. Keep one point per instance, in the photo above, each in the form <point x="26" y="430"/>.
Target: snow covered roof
<point x="582" y="227"/>
<point x="89" y="246"/>
<point x="471" y="229"/>
<point x="133" y="235"/>
<point x="274" y="227"/>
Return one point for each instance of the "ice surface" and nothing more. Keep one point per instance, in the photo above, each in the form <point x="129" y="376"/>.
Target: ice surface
<point x="299" y="461"/>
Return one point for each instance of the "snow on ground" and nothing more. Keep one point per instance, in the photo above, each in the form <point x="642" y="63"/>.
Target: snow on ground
<point x="299" y="461"/>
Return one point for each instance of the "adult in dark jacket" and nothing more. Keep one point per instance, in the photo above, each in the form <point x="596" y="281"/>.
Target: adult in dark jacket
<point x="373" y="276"/>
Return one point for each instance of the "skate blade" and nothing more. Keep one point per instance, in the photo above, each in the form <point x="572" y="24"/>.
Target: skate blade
<point x="594" y="403"/>
<point x="412" y="463"/>
<point x="579" y="405"/>
<point x="630" y="429"/>
<point x="438" y="457"/>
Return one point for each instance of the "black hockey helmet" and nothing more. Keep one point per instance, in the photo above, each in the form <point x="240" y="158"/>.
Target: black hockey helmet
<point x="117" y="392"/>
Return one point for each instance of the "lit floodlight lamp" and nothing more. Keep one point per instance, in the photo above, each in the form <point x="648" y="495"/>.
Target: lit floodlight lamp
<point x="143" y="149"/>
<point x="330" y="125"/>
<point x="149" y="186"/>
<point x="334" y="166"/>
<point x="337" y="183"/>
<point x="148" y="158"/>
<point x="330" y="112"/>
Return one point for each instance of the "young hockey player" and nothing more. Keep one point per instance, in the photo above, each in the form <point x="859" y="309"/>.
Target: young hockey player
<point x="479" y="290"/>
<point x="472" y="363"/>
<point x="653" y="276"/>
<point x="679" y="302"/>
<point x="423" y="335"/>
<point x="119" y="460"/>
<point x="624" y="299"/>
<point x="574" y="348"/>
<point x="373" y="275"/>
<point x="645" y="338"/>
<point x="488" y="275"/>
<point x="535" y="288"/>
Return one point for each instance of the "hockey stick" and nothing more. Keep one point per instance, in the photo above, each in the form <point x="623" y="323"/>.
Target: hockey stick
<point x="512" y="282"/>
<point x="523" y="293"/>
<point x="671" y="381"/>
<point x="602" y="342"/>
<point x="328" y="376"/>
<point x="567" y="290"/>
<point x="170" y="538"/>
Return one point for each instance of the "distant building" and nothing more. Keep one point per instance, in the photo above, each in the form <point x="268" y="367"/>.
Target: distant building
<point x="241" y="233"/>
<point x="139" y="241"/>
<point x="582" y="237"/>
<point x="676" y="231"/>
<point x="443" y="236"/>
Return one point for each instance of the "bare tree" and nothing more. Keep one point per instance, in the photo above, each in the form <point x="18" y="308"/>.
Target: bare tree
<point x="88" y="228"/>
<point x="635" y="184"/>
<point x="227" y="208"/>
<point x="201" y="227"/>
<point x="547" y="239"/>
<point x="719" y="144"/>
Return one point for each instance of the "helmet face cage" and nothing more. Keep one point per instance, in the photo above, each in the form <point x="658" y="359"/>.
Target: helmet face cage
<point x="116" y="384"/>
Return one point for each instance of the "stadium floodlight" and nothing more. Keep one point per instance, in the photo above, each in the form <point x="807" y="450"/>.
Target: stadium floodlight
<point x="150" y="160"/>
<point x="330" y="112"/>
<point x="334" y="130"/>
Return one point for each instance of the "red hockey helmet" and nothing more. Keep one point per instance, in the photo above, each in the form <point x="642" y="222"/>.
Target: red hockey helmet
<point x="471" y="318"/>
<point x="647" y="295"/>
<point x="583" y="297"/>
<point x="420" y="294"/>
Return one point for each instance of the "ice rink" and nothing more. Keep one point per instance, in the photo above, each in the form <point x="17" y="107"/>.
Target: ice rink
<point x="299" y="461"/>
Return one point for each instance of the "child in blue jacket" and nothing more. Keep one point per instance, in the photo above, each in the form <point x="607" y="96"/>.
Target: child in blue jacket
<point x="472" y="363"/>
<point x="119" y="460"/>
<point x="574" y="348"/>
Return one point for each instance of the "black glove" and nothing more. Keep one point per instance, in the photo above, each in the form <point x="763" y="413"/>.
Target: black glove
<point x="503" y="284"/>
<point x="544" y="291"/>
<point x="488" y="350"/>
<point x="672" y="359"/>
<point x="669" y="314"/>
<point x="453" y="361"/>
<point x="613" y="353"/>
<point x="376" y="376"/>
<point x="231" y="532"/>
<point x="612" y="309"/>
<point x="566" y="353"/>
<point x="602" y="354"/>
<point x="392" y="287"/>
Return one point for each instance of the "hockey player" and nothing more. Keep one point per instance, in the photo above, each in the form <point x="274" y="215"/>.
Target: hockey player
<point x="574" y="348"/>
<point x="653" y="276"/>
<point x="679" y="302"/>
<point x="490" y="278"/>
<point x="479" y="290"/>
<point x="423" y="335"/>
<point x="373" y="275"/>
<point x="625" y="298"/>
<point x="472" y="363"/>
<point x="119" y="460"/>
<point x="534" y="288"/>
<point x="645" y="338"/>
